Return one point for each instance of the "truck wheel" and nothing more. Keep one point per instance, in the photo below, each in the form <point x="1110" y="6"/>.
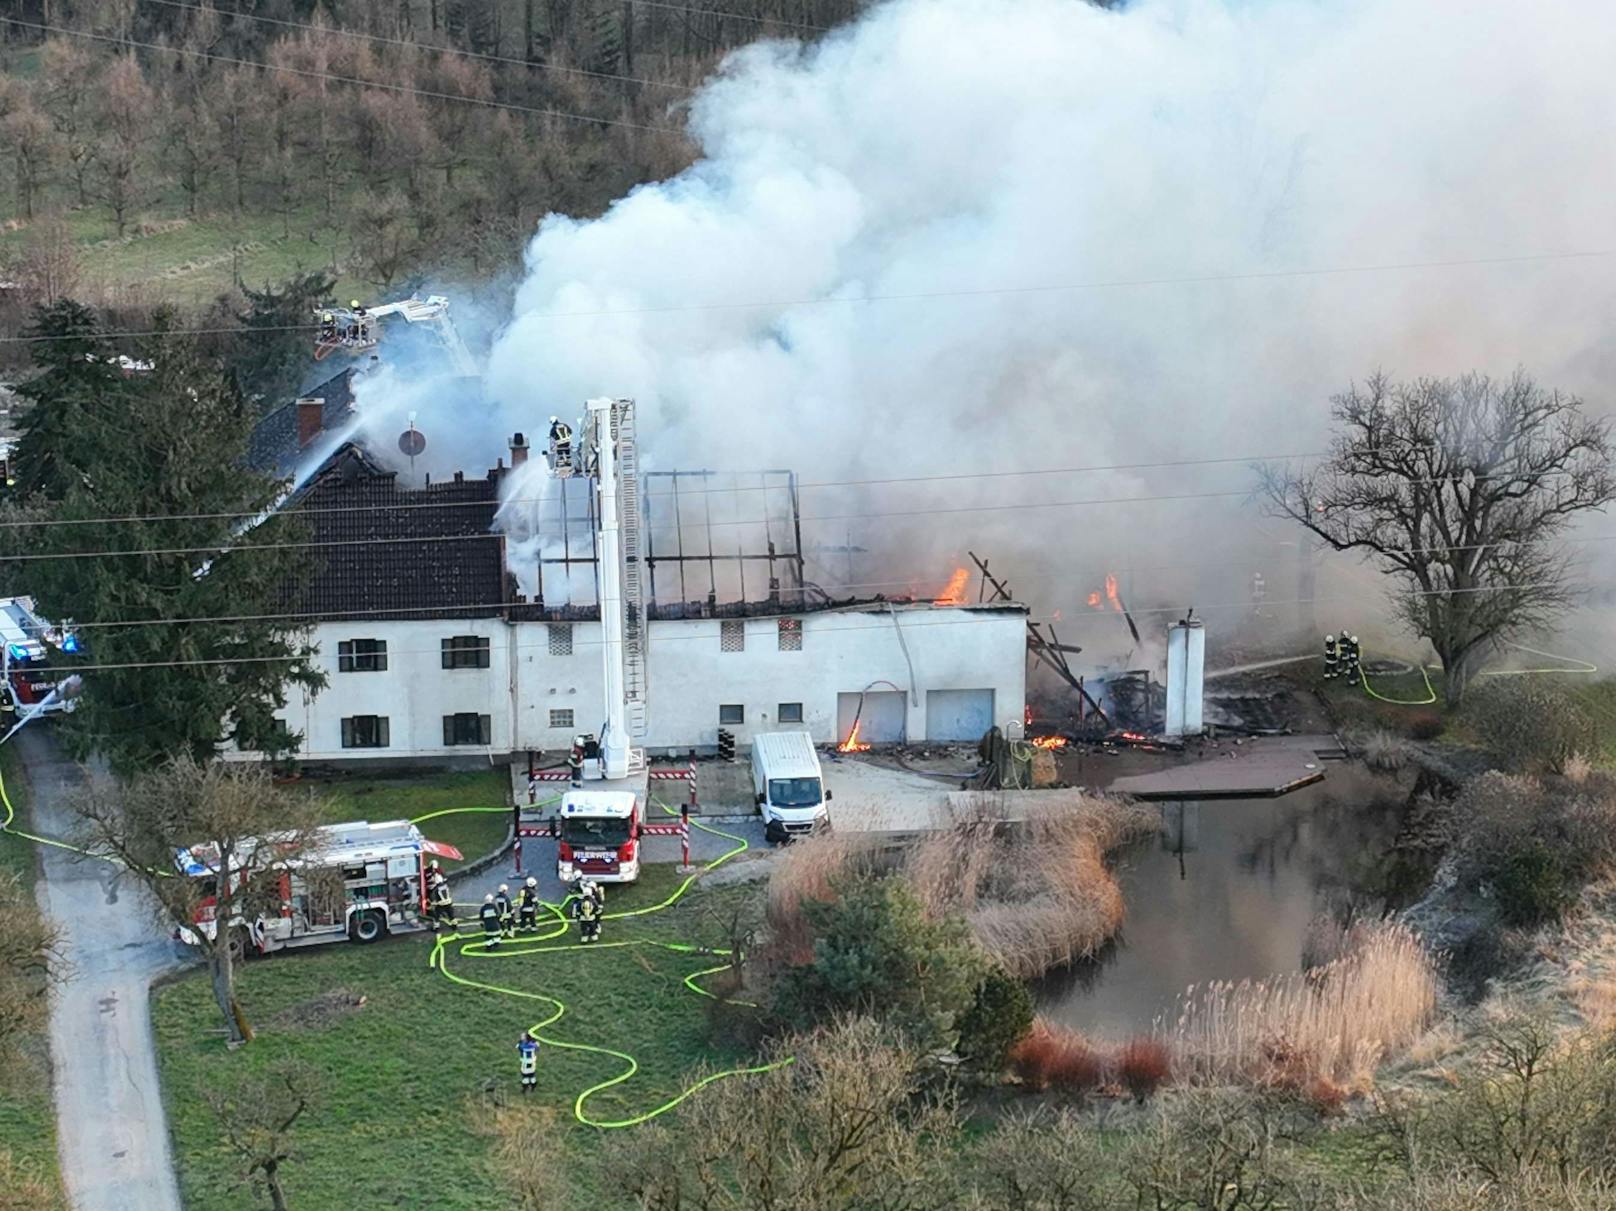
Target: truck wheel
<point x="367" y="927"/>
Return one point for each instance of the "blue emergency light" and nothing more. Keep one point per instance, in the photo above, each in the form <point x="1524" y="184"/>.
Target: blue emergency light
<point x="18" y="652"/>
<point x="70" y="645"/>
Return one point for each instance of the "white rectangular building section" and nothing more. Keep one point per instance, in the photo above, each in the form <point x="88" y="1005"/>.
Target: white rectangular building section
<point x="490" y="688"/>
<point x="1186" y="658"/>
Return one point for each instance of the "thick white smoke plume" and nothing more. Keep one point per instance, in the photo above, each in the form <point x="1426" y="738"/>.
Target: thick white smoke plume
<point x="976" y="236"/>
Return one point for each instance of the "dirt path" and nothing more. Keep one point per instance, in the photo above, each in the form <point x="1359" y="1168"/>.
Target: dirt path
<point x="111" y="1131"/>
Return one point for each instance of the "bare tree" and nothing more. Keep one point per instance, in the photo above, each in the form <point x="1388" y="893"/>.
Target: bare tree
<point x="1458" y="487"/>
<point x="530" y="1152"/>
<point x="243" y="832"/>
<point x="31" y="137"/>
<point x="257" y="1115"/>
<point x="126" y="120"/>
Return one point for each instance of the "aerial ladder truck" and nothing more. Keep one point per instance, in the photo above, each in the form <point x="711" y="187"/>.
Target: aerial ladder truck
<point x="357" y="329"/>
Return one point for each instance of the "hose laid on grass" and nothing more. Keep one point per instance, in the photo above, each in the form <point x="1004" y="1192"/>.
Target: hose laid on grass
<point x="472" y="947"/>
<point x="1430" y="691"/>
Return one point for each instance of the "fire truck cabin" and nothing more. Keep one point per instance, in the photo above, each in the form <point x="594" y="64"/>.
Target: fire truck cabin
<point x="600" y="836"/>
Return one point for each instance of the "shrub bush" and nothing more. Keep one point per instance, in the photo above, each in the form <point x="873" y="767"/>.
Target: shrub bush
<point x="1143" y="1066"/>
<point x="1034" y="1055"/>
<point x="998" y="1018"/>
<point x="876" y="952"/>
<point x="1531" y="723"/>
<point x="1425" y="725"/>
<point x="1076" y="1069"/>
<point x="1050" y="1057"/>
<point x="1533" y="884"/>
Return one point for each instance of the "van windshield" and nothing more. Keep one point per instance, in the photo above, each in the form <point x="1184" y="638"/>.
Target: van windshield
<point x="794" y="792"/>
<point x="596" y="833"/>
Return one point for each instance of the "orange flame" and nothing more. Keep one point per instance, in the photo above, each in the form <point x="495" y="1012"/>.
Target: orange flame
<point x="1026" y="716"/>
<point x="852" y="744"/>
<point x="1111" y="592"/>
<point x="1049" y="741"/>
<point x="954" y="591"/>
<point x="1094" y="601"/>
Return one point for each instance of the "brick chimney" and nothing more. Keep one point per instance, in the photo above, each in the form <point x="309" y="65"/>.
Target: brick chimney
<point x="310" y="420"/>
<point x="518" y="450"/>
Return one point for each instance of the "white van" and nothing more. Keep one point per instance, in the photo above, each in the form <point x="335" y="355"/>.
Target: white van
<point x="788" y="783"/>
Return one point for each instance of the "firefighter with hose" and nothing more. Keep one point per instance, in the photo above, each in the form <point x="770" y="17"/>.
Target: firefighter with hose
<point x="489" y="915"/>
<point x="1331" y="658"/>
<point x="527" y="906"/>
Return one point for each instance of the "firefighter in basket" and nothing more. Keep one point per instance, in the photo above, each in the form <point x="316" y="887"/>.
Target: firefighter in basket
<point x="560" y="444"/>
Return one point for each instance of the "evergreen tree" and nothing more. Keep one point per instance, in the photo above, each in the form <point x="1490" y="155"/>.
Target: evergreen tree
<point x="273" y="352"/>
<point x="183" y="567"/>
<point x="77" y="382"/>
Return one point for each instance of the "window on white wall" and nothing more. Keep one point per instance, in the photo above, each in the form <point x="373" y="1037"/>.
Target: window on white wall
<point x="731" y="714"/>
<point x="465" y="652"/>
<point x="791" y="634"/>
<point x="365" y="731"/>
<point x="561" y="719"/>
<point x="362" y="656"/>
<point x="469" y="728"/>
<point x="732" y="635"/>
<point x="560" y="639"/>
<point x="789" y="712"/>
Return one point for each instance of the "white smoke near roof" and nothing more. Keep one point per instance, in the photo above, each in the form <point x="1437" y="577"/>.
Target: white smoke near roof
<point x="963" y="154"/>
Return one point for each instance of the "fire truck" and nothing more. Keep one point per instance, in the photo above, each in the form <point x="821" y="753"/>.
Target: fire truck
<point x="27" y="643"/>
<point x="600" y="836"/>
<point x="357" y="883"/>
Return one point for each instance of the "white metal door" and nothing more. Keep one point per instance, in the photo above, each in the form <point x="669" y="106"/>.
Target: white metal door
<point x="958" y="714"/>
<point x="880" y="722"/>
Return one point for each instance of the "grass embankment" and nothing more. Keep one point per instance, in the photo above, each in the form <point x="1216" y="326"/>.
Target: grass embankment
<point x="410" y="797"/>
<point x="27" y="1118"/>
<point x="166" y="256"/>
<point x="409" y="1074"/>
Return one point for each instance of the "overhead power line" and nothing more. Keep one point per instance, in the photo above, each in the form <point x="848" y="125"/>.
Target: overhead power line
<point x="455" y="52"/>
<point x="310" y="511"/>
<point x="385" y="86"/>
<point x="908" y="624"/>
<point x="148" y="332"/>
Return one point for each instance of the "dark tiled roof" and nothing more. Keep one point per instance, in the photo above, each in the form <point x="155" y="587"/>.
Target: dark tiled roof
<point x="399" y="559"/>
<point x="273" y="447"/>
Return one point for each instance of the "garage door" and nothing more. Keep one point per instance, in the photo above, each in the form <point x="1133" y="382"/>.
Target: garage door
<point x="958" y="714"/>
<point x="881" y="721"/>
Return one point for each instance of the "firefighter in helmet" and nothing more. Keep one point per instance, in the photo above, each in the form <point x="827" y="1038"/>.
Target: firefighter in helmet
<point x="443" y="903"/>
<point x="527" y="906"/>
<point x="1331" y="658"/>
<point x="502" y="904"/>
<point x="560" y="443"/>
<point x="575" y="761"/>
<point x="489" y="915"/>
<point x="586" y="910"/>
<point x="328" y="327"/>
<point x="527" y="1058"/>
<point x="1351" y="661"/>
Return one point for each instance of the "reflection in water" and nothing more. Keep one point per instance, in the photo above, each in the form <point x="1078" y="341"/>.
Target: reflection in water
<point x="1226" y="893"/>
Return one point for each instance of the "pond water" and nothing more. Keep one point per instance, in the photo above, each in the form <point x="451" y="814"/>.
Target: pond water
<point x="1226" y="892"/>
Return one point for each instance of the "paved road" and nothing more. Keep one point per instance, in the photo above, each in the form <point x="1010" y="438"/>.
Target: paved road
<point x="112" y="1135"/>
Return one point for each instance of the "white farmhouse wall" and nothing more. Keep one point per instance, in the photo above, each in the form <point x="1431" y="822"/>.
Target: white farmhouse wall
<point x="691" y="677"/>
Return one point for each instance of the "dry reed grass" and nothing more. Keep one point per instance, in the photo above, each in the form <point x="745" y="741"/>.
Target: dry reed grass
<point x="807" y="871"/>
<point x="1053" y="1057"/>
<point x="1037" y="894"/>
<point x="1335" y="1021"/>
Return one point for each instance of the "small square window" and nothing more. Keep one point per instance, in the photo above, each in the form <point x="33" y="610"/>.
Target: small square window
<point x="560" y="638"/>
<point x="561" y="719"/>
<point x="362" y="656"/>
<point x="732" y="713"/>
<point x="789" y="712"/>
<point x="732" y="635"/>
<point x="469" y="728"/>
<point x="365" y="731"/>
<point x="791" y="634"/>
<point x="465" y="652"/>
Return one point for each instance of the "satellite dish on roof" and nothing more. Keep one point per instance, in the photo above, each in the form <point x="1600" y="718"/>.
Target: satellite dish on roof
<point x="412" y="442"/>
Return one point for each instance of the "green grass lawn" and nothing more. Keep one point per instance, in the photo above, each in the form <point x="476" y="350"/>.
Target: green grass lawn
<point x="408" y="1074"/>
<point x="409" y="797"/>
<point x="27" y="1120"/>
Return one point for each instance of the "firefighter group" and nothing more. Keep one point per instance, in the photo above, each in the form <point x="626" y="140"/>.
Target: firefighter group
<point x="503" y="917"/>
<point x="1343" y="658"/>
